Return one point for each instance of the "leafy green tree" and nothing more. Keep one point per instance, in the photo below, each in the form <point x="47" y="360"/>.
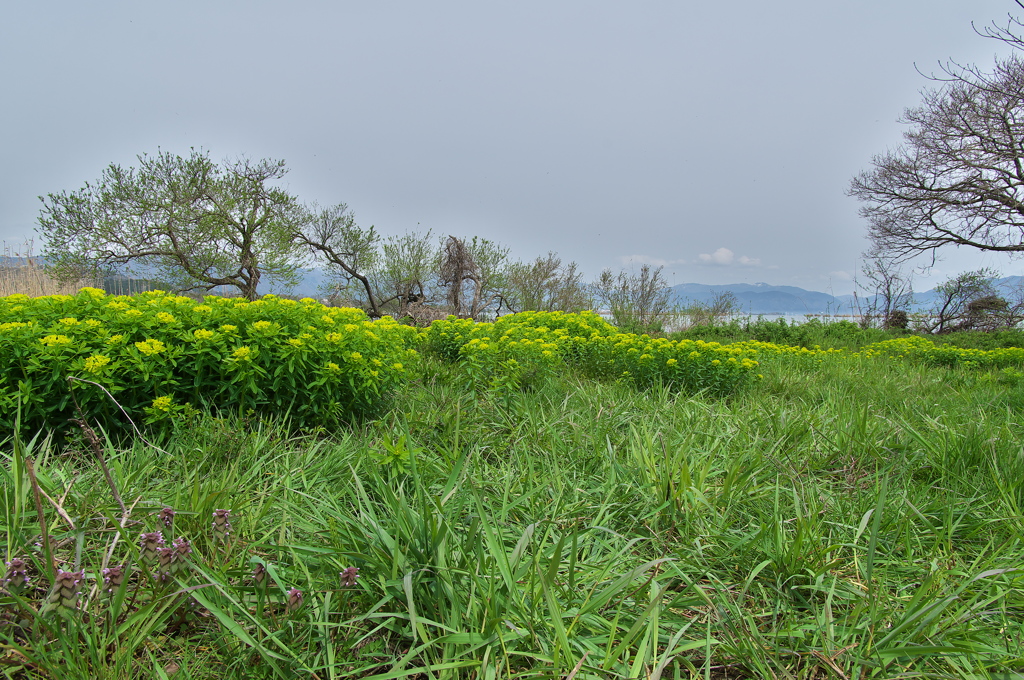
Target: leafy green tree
<point x="722" y="305"/>
<point x="639" y="302"/>
<point x="970" y="301"/>
<point x="546" y="285"/>
<point x="187" y="221"/>
<point x="406" y="273"/>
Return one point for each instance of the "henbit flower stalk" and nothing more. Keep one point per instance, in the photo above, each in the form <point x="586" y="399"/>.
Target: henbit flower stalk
<point x="65" y="591"/>
<point x="166" y="517"/>
<point x="182" y="549"/>
<point x="16" y="579"/>
<point x="165" y="555"/>
<point x="349" y="576"/>
<point x="113" y="577"/>
<point x="259" y="574"/>
<point x="221" y="525"/>
<point x="151" y="544"/>
<point x="294" y="601"/>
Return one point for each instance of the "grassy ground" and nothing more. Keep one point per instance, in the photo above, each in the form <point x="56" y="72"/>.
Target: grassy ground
<point x="846" y="518"/>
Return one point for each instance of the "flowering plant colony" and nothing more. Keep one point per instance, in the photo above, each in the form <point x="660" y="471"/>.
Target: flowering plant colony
<point x="518" y="346"/>
<point x="924" y="351"/>
<point x="160" y="354"/>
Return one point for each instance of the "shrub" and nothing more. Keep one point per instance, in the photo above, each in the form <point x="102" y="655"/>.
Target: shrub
<point x="499" y="353"/>
<point x="159" y="355"/>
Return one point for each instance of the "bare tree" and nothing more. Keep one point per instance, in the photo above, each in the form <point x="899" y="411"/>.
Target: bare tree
<point x="333" y="238"/>
<point x="958" y="179"/>
<point x="471" y="272"/>
<point x="891" y="292"/>
<point x="1009" y="35"/>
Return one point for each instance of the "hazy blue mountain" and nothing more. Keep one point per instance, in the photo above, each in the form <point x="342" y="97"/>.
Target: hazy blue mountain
<point x="762" y="298"/>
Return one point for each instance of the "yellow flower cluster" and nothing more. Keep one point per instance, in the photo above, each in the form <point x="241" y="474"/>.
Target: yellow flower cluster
<point x="162" y="404"/>
<point x="55" y="340"/>
<point x="262" y="355"/>
<point x="96" y="362"/>
<point x="925" y="351"/>
<point x="544" y="340"/>
<point x="149" y="347"/>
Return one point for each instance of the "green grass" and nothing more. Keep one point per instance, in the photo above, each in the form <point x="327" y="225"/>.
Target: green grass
<point x="849" y="519"/>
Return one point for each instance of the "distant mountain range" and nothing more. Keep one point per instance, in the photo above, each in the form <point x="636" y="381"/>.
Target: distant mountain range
<point x="762" y="298"/>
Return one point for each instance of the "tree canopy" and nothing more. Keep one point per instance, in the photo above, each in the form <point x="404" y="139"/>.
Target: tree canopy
<point x="195" y="225"/>
<point x="959" y="177"/>
<point x="184" y="220"/>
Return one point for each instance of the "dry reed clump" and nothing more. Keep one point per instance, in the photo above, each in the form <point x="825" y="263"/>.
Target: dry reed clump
<point x="30" y="278"/>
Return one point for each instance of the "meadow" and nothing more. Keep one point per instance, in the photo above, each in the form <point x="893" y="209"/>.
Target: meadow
<point x="542" y="497"/>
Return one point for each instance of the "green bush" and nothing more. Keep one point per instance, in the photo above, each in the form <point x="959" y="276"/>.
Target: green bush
<point x="500" y="353"/>
<point x="159" y="355"/>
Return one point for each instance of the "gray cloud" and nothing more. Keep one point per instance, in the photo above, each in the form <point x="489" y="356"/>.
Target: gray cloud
<point x="590" y="128"/>
<point x="723" y="257"/>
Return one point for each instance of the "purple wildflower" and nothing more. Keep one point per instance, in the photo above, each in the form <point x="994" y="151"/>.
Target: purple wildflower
<point x="16" y="577"/>
<point x="166" y="517"/>
<point x="113" y="577"/>
<point x="180" y="549"/>
<point x="66" y="589"/>
<point x="165" y="556"/>
<point x="294" y="600"/>
<point x="150" y="544"/>
<point x="221" y="525"/>
<point x="259" y="574"/>
<point x="349" y="576"/>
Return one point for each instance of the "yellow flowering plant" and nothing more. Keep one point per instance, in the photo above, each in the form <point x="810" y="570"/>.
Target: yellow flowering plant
<point x="267" y="356"/>
<point x="500" y="354"/>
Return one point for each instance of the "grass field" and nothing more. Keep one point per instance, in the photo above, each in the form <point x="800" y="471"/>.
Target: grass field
<point x="843" y="517"/>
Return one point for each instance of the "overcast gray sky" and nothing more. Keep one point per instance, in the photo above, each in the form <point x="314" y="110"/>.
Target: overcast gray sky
<point x="715" y="138"/>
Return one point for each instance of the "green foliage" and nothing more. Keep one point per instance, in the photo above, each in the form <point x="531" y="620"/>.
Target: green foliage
<point x="186" y="221"/>
<point x="852" y="516"/>
<point x="975" y="340"/>
<point x="957" y="303"/>
<point x="546" y="285"/>
<point x="925" y="351"/>
<point x="595" y="528"/>
<point x="161" y="356"/>
<point x="721" y="307"/>
<point x="497" y="353"/>
<point x="812" y="332"/>
<point x="638" y="302"/>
